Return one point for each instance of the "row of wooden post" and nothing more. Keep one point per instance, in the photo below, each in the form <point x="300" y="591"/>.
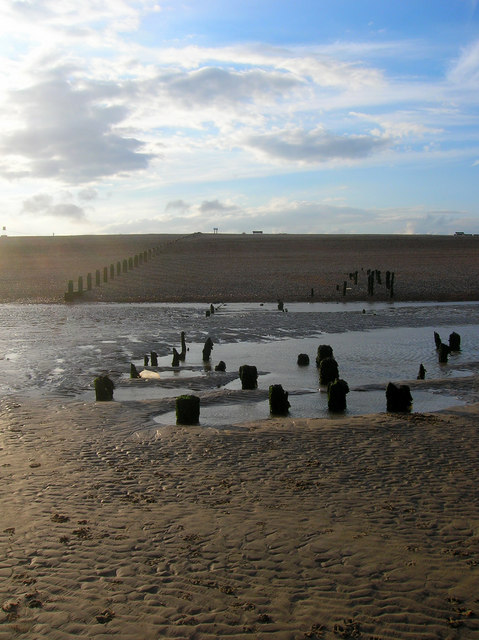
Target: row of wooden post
<point x="109" y="273"/>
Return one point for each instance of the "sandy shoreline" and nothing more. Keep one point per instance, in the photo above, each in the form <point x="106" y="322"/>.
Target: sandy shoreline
<point x="358" y="527"/>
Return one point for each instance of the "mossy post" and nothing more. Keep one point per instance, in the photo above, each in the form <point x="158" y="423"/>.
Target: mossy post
<point x="103" y="388"/>
<point x="278" y="400"/>
<point x="337" y="391"/>
<point x="133" y="371"/>
<point x="187" y="409"/>
<point x="154" y="359"/>
<point x="437" y="339"/>
<point x="454" y="341"/>
<point x="303" y="360"/>
<point x="221" y="366"/>
<point x="249" y="376"/>
<point x="183" y="347"/>
<point x="398" y="398"/>
<point x="207" y="349"/>
<point x="324" y="351"/>
<point x="146" y="359"/>
<point x="328" y="371"/>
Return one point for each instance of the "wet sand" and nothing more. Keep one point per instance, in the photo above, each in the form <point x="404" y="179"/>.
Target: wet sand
<point x="365" y="527"/>
<point x="225" y="268"/>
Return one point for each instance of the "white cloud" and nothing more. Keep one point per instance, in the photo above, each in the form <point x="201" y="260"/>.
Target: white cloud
<point x="70" y="132"/>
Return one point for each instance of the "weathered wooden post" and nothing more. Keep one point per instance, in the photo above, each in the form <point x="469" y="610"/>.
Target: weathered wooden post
<point x="303" y="360"/>
<point x="207" y="349"/>
<point x="212" y="309"/>
<point x="221" y="366"/>
<point x="328" y="371"/>
<point x="154" y="359"/>
<point x="391" y="286"/>
<point x="344" y="287"/>
<point x="146" y="360"/>
<point x="176" y="358"/>
<point x="437" y="339"/>
<point x="443" y="353"/>
<point x="249" y="376"/>
<point x="324" y="351"/>
<point x="422" y="372"/>
<point x="454" y="341"/>
<point x="337" y="391"/>
<point x="278" y="400"/>
<point x="187" y="409"/>
<point x="103" y="388"/>
<point x="183" y="347"/>
<point x="140" y="259"/>
<point x="133" y="371"/>
<point x="280" y="305"/>
<point x="398" y="398"/>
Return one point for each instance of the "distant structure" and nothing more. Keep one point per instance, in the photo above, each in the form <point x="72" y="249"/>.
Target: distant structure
<point x="215" y="230"/>
<point x="257" y="232"/>
<point x="4" y="232"/>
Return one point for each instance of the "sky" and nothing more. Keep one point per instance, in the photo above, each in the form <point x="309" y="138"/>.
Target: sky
<point x="286" y="116"/>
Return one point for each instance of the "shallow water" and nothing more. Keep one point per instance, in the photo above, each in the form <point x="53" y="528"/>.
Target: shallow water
<point x="57" y="349"/>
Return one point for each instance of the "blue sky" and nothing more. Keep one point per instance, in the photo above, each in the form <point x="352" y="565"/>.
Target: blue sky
<point x="144" y="116"/>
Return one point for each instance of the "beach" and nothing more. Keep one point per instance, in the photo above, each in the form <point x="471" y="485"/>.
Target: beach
<point x="366" y="527"/>
<point x="352" y="526"/>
